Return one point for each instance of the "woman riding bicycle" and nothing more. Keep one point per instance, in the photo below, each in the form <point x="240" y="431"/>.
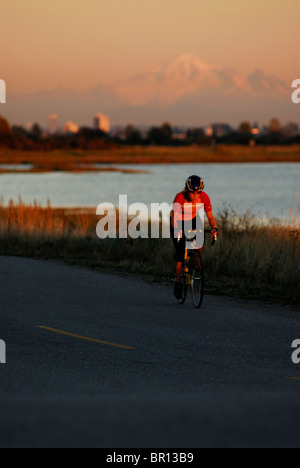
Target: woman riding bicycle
<point x="185" y="208"/>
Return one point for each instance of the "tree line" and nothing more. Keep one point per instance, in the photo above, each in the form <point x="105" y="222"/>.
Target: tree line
<point x="18" y="137"/>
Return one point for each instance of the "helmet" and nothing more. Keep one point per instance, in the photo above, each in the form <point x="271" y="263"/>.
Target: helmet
<point x="194" y="184"/>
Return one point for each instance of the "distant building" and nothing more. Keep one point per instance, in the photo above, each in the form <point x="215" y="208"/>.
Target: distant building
<point x="70" y="127"/>
<point x="218" y="130"/>
<point x="178" y="136"/>
<point x="255" y="131"/>
<point x="53" y="118"/>
<point x="102" y="122"/>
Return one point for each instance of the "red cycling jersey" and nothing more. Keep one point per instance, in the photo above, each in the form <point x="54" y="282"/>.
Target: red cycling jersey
<point x="185" y="210"/>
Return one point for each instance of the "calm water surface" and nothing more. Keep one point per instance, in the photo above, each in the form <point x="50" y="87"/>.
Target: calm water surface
<point x="267" y="189"/>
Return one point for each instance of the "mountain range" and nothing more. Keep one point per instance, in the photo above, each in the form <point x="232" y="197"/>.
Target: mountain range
<point x="184" y="91"/>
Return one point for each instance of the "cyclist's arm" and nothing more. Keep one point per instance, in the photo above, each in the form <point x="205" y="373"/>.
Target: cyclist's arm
<point x="176" y="213"/>
<point x="211" y="219"/>
<point x="176" y="219"/>
<point x="208" y="210"/>
<point x="172" y="219"/>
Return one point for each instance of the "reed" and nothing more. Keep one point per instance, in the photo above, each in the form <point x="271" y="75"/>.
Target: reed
<point x="261" y="260"/>
<point x="33" y="222"/>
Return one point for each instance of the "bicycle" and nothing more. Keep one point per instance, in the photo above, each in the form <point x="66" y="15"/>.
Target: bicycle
<point x="193" y="272"/>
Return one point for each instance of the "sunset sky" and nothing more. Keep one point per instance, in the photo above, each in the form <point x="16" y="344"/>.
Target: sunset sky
<point x="78" y="44"/>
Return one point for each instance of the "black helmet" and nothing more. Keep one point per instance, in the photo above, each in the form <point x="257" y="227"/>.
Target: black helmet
<point x="194" y="184"/>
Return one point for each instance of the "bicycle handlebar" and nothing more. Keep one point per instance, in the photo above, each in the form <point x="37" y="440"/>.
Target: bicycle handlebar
<point x="214" y="236"/>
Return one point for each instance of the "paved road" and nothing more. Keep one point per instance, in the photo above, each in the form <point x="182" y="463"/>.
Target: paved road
<point x="221" y="377"/>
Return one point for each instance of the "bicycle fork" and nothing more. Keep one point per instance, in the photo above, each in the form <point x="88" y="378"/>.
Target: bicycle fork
<point x="187" y="269"/>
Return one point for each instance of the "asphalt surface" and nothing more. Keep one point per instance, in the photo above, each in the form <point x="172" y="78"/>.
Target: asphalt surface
<point x="219" y="377"/>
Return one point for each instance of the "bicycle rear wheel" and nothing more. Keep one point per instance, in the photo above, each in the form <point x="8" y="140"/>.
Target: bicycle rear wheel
<point x="197" y="280"/>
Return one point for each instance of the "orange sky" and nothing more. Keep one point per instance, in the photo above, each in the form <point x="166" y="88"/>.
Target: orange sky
<point x="79" y="43"/>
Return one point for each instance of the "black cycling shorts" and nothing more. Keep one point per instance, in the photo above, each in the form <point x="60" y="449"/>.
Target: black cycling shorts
<point x="179" y="247"/>
<point x="181" y="244"/>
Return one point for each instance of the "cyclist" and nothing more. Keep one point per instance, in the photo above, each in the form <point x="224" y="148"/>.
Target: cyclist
<point x="185" y="209"/>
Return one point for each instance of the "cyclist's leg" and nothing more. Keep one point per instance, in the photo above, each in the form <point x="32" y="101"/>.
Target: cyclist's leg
<point x="179" y="259"/>
<point x="179" y="254"/>
<point x="178" y="270"/>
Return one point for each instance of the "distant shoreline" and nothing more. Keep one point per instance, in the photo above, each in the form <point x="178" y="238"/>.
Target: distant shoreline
<point x="80" y="161"/>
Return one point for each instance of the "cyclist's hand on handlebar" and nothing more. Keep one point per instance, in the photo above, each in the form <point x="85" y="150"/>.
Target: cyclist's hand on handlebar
<point x="214" y="234"/>
<point x="215" y="231"/>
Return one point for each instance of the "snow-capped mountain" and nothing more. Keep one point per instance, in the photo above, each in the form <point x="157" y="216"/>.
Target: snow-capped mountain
<point x="183" y="90"/>
<point x="166" y="83"/>
<point x="187" y="75"/>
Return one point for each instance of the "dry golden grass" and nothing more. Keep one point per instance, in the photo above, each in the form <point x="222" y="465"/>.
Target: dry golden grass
<point x="79" y="160"/>
<point x="250" y="260"/>
<point x="295" y="216"/>
<point x="35" y="222"/>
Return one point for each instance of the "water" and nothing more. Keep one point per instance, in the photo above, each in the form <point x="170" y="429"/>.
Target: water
<point x="266" y="188"/>
<point x="17" y="167"/>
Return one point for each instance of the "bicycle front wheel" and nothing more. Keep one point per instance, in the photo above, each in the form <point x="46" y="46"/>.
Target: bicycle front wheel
<point x="184" y="289"/>
<point x="197" y="280"/>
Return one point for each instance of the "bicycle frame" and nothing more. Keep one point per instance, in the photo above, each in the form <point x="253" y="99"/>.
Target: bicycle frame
<point x="192" y="273"/>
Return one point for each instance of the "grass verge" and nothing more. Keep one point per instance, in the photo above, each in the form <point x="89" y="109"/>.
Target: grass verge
<point x="251" y="260"/>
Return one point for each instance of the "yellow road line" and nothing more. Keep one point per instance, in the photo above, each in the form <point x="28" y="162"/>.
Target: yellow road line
<point x="293" y="378"/>
<point x="74" y="335"/>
